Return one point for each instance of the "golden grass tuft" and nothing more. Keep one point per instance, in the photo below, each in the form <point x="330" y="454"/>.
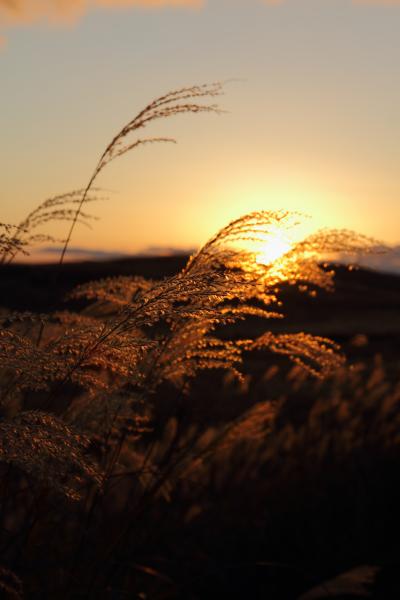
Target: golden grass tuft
<point x="80" y="390"/>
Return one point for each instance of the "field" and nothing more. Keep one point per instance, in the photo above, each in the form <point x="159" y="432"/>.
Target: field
<point x="262" y="487"/>
<point x="220" y="425"/>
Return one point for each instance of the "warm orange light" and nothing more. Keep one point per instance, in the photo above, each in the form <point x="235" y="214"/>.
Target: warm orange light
<point x="275" y="246"/>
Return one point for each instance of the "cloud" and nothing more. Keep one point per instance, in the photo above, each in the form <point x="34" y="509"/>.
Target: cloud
<point x="388" y="262"/>
<point x="165" y="251"/>
<point x="15" y="12"/>
<point x="78" y="253"/>
<point x="26" y="12"/>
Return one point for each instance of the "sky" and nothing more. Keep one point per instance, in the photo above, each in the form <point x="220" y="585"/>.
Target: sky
<point x="312" y="121"/>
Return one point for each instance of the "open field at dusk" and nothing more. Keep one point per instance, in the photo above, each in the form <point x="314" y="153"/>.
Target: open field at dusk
<point x="265" y="487"/>
<point x="199" y="299"/>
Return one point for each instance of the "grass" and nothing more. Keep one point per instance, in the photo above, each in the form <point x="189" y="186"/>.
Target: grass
<point x="112" y="433"/>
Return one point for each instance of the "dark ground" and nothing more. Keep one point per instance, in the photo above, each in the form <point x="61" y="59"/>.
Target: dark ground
<point x="309" y="514"/>
<point x="364" y="302"/>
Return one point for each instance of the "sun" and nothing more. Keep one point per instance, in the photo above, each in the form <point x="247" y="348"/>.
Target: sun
<point x="274" y="247"/>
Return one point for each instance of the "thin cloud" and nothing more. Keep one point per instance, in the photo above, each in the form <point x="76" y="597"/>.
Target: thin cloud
<point x="15" y="12"/>
<point x="26" y="12"/>
<point x="77" y="253"/>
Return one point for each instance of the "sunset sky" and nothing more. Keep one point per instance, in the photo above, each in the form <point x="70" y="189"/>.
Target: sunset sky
<point x="313" y="120"/>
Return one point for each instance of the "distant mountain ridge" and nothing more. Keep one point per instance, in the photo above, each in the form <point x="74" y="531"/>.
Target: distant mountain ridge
<point x="364" y="301"/>
<point x="387" y="262"/>
<point x="51" y="254"/>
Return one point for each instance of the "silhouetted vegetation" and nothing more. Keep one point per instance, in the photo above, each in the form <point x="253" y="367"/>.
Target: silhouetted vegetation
<point x="170" y="434"/>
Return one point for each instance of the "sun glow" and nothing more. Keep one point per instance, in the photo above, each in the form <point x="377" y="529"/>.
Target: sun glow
<point x="274" y="247"/>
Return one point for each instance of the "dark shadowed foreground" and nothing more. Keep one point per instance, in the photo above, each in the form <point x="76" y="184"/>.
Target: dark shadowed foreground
<point x="275" y="485"/>
<point x="190" y="429"/>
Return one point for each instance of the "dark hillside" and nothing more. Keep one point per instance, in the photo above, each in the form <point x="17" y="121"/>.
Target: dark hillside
<point x="302" y="486"/>
<point x="364" y="301"/>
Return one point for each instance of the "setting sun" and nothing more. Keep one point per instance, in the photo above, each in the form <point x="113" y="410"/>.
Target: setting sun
<point x="275" y="247"/>
<point x="205" y="401"/>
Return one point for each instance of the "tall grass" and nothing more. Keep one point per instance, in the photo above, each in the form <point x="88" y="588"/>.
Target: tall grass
<point x="80" y="446"/>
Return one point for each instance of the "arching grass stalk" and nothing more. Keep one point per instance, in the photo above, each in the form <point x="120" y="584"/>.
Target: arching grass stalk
<point x="180" y="101"/>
